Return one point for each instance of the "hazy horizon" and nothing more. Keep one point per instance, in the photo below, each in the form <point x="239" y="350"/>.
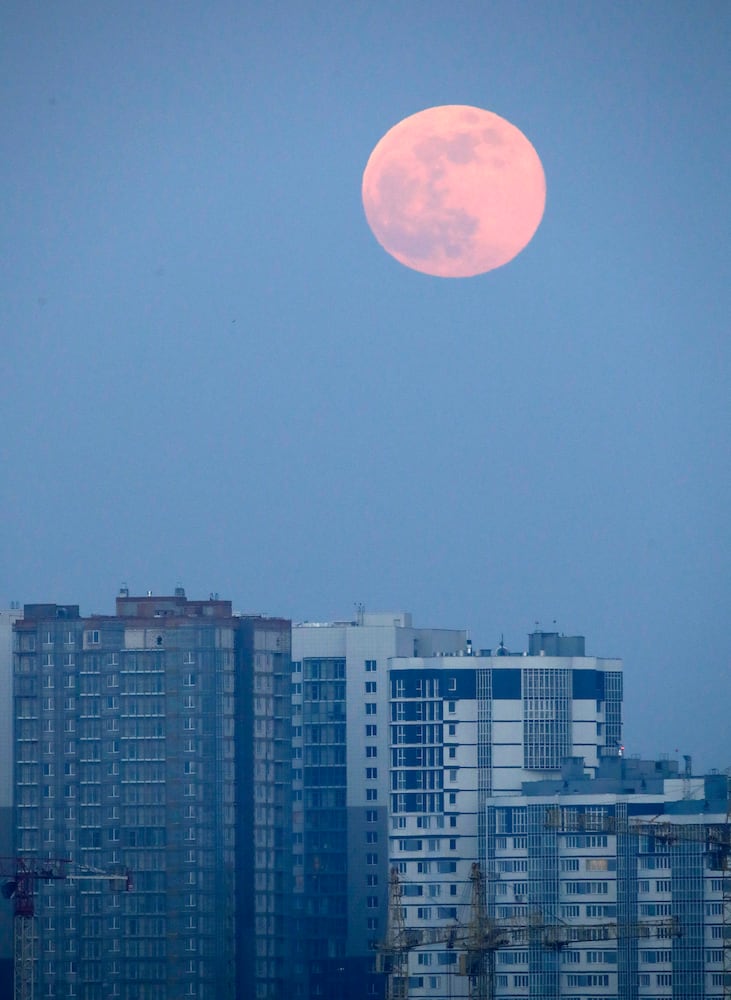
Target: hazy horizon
<point x="215" y="376"/>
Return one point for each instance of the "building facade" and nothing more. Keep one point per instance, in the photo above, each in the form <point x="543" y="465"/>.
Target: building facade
<point x="341" y="747"/>
<point x="462" y="729"/>
<point x="8" y="617"/>
<point x="621" y="880"/>
<point x="148" y="740"/>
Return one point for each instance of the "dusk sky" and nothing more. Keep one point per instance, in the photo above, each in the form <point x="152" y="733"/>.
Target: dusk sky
<point x="214" y="376"/>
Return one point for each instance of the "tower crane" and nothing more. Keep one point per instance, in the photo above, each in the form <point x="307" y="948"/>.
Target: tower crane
<point x="22" y="875"/>
<point x="478" y="941"/>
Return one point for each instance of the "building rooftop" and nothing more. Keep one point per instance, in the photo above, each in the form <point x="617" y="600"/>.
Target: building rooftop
<point x="632" y="776"/>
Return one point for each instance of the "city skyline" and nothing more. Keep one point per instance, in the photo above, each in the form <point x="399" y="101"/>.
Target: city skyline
<point x="705" y="758"/>
<point x="214" y="375"/>
<point x="262" y="783"/>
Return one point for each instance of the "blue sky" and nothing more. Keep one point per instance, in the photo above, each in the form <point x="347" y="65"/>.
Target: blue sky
<point x="214" y="376"/>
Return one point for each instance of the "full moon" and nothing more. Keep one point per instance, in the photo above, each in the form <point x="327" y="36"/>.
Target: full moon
<point x="454" y="191"/>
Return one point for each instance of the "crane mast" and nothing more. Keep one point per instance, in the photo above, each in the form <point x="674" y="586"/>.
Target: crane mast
<point x="479" y="940"/>
<point x="393" y="957"/>
<point x="22" y="875"/>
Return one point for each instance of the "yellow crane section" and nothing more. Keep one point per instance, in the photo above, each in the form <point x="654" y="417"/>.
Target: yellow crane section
<point x="478" y="940"/>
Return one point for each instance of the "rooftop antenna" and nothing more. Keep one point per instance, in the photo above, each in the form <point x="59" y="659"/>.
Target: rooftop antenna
<point x="687" y="775"/>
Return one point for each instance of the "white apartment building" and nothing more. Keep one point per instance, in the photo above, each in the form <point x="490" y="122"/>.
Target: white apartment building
<point x="467" y="727"/>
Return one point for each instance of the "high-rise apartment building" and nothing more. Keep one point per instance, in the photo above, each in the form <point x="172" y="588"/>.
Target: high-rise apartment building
<point x="7" y="620"/>
<point x="156" y="739"/>
<point x="464" y="728"/>
<point x="341" y="746"/>
<point x="622" y="881"/>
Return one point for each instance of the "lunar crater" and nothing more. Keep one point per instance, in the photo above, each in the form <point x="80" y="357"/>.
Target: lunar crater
<point x="441" y="199"/>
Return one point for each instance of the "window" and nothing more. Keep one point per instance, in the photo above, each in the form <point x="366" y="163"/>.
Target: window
<point x="590" y="979"/>
<point x="371" y="751"/>
<point x="371" y="794"/>
<point x="370" y="687"/>
<point x="654" y="957"/>
<point x="371" y="859"/>
<point x="371" y="773"/>
<point x="601" y="865"/>
<point x="452" y="707"/>
<point x="370" y="708"/>
<point x="601" y="958"/>
<point x="410" y="844"/>
<point x="371" y="837"/>
<point x="372" y="902"/>
<point x="586" y="888"/>
<point x="371" y="815"/>
<point x="370" y="666"/>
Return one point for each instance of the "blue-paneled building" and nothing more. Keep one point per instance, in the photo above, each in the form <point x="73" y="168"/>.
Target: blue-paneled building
<point x="157" y="739"/>
<point x="621" y="879"/>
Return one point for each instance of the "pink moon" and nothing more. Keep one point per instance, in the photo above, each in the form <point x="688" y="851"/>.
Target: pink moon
<point x="454" y="191"/>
